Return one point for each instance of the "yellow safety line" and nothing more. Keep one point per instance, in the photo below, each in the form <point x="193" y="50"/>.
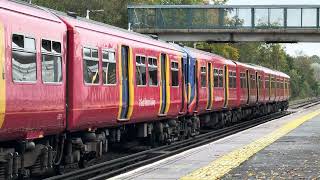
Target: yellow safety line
<point x="226" y="163"/>
<point x="2" y="78"/>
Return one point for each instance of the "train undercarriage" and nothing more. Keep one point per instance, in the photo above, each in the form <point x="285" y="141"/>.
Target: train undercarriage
<point x="25" y="159"/>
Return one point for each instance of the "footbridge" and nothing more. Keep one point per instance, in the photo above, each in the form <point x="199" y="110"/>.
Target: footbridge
<point x="227" y="23"/>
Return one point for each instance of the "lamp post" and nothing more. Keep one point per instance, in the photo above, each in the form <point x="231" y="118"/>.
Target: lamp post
<point x="89" y="11"/>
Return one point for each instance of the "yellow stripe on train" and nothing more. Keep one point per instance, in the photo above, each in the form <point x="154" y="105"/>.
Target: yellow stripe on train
<point x="168" y="96"/>
<point x="120" y="82"/>
<point x="131" y="85"/>
<point x="2" y="78"/>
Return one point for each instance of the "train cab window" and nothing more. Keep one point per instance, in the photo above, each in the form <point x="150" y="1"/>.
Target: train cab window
<point x="90" y="66"/>
<point x="220" y="78"/>
<point x="24" y="63"/>
<point x="109" y="75"/>
<point x="153" y="71"/>
<point x="203" y="77"/>
<point x="141" y="76"/>
<point x="216" y="78"/>
<point x="174" y="74"/>
<point x="51" y="61"/>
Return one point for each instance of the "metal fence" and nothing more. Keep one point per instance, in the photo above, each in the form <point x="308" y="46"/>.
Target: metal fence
<point x="222" y="17"/>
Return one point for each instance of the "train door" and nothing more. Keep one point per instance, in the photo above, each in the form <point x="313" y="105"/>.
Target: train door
<point x="163" y="84"/>
<point x="209" y="86"/>
<point x="248" y="85"/>
<point x="195" y="73"/>
<point x="257" y="86"/>
<point x="183" y="84"/>
<point x="226" y="86"/>
<point x="125" y="82"/>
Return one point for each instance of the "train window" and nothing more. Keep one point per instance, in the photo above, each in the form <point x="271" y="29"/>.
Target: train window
<point x="174" y="74"/>
<point x="17" y="41"/>
<point x="216" y="78"/>
<point x="90" y="66"/>
<point x="46" y="46"/>
<point x="109" y="67"/>
<point x="51" y="62"/>
<point x="153" y="71"/>
<point x="230" y="80"/>
<point x="220" y="78"/>
<point x="253" y="81"/>
<point x="24" y="65"/>
<point x="141" y="78"/>
<point x="203" y="77"/>
<point x="260" y="82"/>
<point x="243" y="80"/>
<point x="234" y="79"/>
<point x="267" y="83"/>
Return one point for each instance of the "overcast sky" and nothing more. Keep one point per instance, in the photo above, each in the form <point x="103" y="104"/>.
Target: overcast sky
<point x="292" y="49"/>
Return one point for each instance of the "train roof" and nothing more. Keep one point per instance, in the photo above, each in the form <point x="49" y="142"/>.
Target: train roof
<point x="216" y="58"/>
<point x="29" y="10"/>
<point x="112" y="30"/>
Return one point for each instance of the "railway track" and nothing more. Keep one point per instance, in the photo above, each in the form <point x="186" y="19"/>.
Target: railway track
<point x="123" y="164"/>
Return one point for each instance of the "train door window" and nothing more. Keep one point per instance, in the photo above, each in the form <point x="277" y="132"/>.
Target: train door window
<point x="260" y="82"/>
<point x="234" y="79"/>
<point x="241" y="80"/>
<point x="220" y="78"/>
<point x="141" y="76"/>
<point x="24" y="61"/>
<point x="51" y="61"/>
<point x="174" y="74"/>
<point x="253" y="81"/>
<point x="267" y="83"/>
<point x="109" y="67"/>
<point x="230" y="80"/>
<point x="90" y="66"/>
<point x="216" y="78"/>
<point x="272" y="83"/>
<point x="203" y="77"/>
<point x="153" y="71"/>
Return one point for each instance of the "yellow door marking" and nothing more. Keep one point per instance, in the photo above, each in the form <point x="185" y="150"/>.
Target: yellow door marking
<point x="131" y="85"/>
<point x="120" y="80"/>
<point x="2" y="78"/>
<point x="226" y="163"/>
<point x="168" y="95"/>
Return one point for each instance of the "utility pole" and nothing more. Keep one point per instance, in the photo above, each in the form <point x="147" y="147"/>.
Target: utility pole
<point x="89" y="11"/>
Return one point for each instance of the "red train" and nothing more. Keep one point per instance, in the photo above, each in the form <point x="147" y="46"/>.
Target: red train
<point x="71" y="87"/>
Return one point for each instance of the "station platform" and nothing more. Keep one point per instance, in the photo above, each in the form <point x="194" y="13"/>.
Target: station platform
<point x="288" y="147"/>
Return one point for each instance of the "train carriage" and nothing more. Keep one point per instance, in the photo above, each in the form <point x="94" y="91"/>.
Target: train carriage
<point x="146" y="77"/>
<point x="71" y="87"/>
<point x="33" y="82"/>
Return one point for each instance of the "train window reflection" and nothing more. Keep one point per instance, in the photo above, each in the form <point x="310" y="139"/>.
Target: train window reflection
<point x="203" y="77"/>
<point x="24" y="66"/>
<point x="24" y="61"/>
<point x="174" y="74"/>
<point x="153" y="72"/>
<point x="90" y="66"/>
<point x="109" y="75"/>
<point x="141" y="78"/>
